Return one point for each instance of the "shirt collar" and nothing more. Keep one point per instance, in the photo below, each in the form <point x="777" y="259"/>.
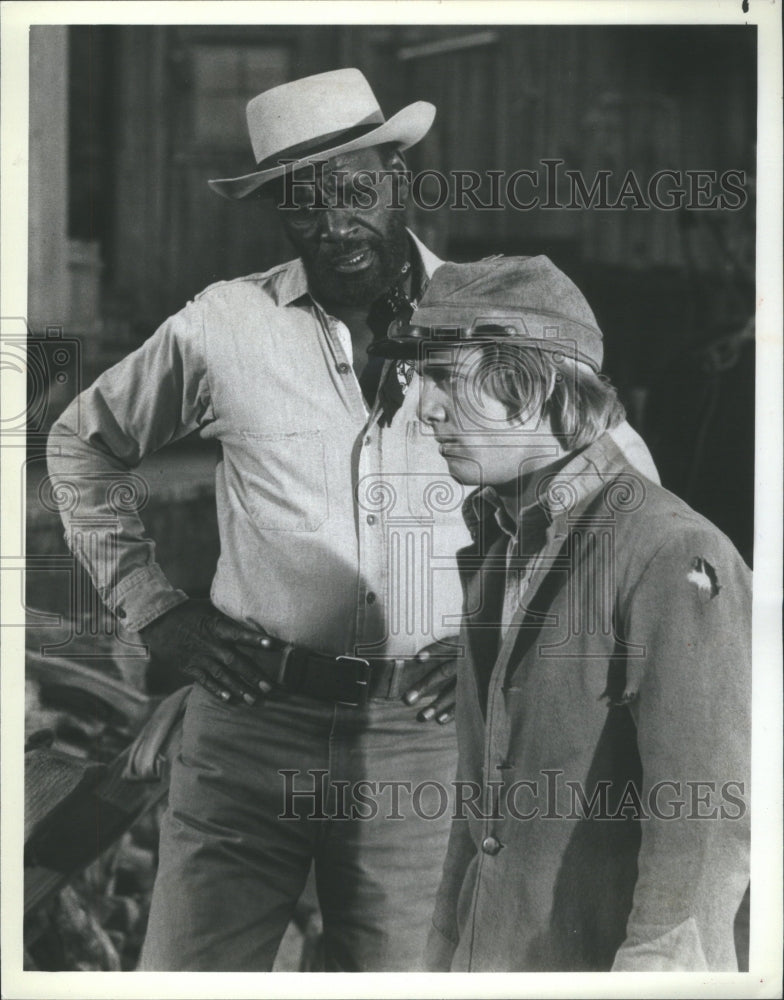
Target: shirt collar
<point x="292" y="284"/>
<point x="485" y="502"/>
<point x="430" y="262"/>
<point x="292" y="281"/>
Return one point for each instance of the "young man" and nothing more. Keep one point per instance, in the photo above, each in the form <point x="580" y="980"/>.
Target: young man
<point x="603" y="708"/>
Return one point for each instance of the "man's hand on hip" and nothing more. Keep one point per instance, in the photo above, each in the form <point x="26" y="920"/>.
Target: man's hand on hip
<point x="440" y="681"/>
<point x="211" y="649"/>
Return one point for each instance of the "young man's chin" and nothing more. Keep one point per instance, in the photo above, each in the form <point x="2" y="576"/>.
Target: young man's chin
<point x="464" y="472"/>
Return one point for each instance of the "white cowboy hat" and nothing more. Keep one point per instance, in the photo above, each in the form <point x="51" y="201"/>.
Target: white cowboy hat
<point x="315" y="119"/>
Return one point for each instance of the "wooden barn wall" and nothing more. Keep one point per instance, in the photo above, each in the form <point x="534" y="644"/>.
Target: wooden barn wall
<point x="507" y="98"/>
<point x="612" y="98"/>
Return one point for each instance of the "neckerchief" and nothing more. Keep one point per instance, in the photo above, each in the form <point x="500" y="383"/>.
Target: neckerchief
<point x="392" y="305"/>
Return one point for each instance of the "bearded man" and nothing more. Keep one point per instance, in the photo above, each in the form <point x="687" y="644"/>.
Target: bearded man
<point x="314" y="656"/>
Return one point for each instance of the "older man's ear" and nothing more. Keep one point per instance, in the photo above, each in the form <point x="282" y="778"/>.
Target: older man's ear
<point x="394" y="160"/>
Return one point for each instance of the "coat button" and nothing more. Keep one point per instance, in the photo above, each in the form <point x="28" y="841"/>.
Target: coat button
<point x="343" y="368"/>
<point x="371" y="598"/>
<point x="121" y="613"/>
<point x="490" y="845"/>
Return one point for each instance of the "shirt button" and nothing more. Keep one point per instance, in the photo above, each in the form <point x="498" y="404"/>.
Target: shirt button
<point x="371" y="598"/>
<point x="371" y="519"/>
<point x="343" y="368"/>
<point x="490" y="845"/>
<point x="368" y="440"/>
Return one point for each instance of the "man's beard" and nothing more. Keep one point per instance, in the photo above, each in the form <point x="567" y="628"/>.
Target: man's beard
<point x="390" y="253"/>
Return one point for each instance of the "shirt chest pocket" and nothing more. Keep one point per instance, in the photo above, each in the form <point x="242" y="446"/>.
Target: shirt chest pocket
<point x="280" y="479"/>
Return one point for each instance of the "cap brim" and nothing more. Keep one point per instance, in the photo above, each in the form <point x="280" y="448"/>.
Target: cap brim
<point x="398" y="350"/>
<point x="418" y="348"/>
<point x="406" y="128"/>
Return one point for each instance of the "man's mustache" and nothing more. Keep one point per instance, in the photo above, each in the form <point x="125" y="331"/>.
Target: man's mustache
<point x="338" y="251"/>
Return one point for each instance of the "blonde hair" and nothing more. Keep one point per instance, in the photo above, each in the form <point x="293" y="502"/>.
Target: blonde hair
<point x="580" y="404"/>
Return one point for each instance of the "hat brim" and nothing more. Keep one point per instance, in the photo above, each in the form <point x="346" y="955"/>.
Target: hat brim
<point x="405" y="129"/>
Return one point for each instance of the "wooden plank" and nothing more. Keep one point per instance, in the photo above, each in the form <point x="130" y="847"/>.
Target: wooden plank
<point x="132" y="705"/>
<point x="89" y="823"/>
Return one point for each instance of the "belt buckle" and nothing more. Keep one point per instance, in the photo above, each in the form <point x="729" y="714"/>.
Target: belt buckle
<point x="361" y="680"/>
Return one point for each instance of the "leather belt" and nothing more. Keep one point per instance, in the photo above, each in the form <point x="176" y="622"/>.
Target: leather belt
<point x="349" y="680"/>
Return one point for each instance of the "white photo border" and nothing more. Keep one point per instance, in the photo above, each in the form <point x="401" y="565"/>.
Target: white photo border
<point x="764" y="977"/>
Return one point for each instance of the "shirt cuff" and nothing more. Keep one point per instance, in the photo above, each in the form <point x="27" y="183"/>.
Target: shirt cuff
<point x="142" y="597"/>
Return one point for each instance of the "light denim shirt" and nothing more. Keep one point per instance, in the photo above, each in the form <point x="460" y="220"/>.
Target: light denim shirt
<point x="335" y="533"/>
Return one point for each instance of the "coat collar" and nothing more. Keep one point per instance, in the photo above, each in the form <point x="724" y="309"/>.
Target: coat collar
<point x="561" y="496"/>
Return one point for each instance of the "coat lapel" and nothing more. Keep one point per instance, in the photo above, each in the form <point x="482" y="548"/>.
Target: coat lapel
<point x="484" y="578"/>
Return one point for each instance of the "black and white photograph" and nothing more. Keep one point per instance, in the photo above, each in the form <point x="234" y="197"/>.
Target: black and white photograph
<point x="392" y="477"/>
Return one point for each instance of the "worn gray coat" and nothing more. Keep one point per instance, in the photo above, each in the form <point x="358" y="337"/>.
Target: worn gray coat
<point x="604" y="740"/>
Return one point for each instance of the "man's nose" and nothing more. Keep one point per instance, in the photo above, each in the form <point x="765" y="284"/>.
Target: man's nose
<point x="430" y="409"/>
<point x="337" y="224"/>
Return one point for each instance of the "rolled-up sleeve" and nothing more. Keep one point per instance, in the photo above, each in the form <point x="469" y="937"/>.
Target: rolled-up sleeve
<point x="156" y="395"/>
<point x="691" y="610"/>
